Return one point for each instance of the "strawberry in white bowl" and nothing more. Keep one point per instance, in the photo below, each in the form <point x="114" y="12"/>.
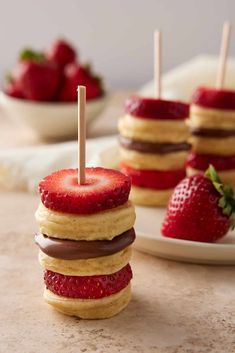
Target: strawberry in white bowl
<point x="41" y="90"/>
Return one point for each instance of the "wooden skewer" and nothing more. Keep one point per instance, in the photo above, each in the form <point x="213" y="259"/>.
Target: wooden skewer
<point x="223" y="55"/>
<point x="81" y="134"/>
<point x="157" y="63"/>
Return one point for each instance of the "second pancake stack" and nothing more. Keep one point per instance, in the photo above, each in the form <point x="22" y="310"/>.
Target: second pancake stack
<point x="153" y="147"/>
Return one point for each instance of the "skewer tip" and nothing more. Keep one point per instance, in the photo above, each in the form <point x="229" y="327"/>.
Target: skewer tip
<point x="157" y="63"/>
<point x="81" y="134"/>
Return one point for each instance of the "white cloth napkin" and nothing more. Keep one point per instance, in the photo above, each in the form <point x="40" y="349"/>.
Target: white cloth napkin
<point x="22" y="168"/>
<point x="180" y="82"/>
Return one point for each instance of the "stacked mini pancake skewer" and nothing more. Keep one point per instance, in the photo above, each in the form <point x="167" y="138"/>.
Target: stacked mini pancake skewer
<point x="153" y="148"/>
<point x="85" y="237"/>
<point x="86" y="231"/>
<point x="153" y="143"/>
<point x="212" y="125"/>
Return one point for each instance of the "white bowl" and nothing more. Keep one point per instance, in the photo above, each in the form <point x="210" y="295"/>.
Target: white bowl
<point x="50" y="120"/>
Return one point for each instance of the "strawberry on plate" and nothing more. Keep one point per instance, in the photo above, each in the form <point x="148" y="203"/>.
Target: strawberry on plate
<point x="38" y="79"/>
<point x="61" y="52"/>
<point x="88" y="287"/>
<point x="200" y="209"/>
<point x="104" y="189"/>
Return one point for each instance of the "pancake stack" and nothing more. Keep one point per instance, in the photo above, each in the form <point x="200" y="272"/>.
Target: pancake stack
<point x="153" y="147"/>
<point x="85" y="238"/>
<point x="212" y="127"/>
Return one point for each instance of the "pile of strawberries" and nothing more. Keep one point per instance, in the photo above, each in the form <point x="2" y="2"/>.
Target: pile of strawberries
<point x="52" y="75"/>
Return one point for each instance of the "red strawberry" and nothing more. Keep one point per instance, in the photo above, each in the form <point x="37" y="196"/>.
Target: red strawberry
<point x="199" y="209"/>
<point x="151" y="108"/>
<point x="214" y="98"/>
<point x="93" y="88"/>
<point x="87" y="287"/>
<point x="61" y="52"/>
<point x="202" y="161"/>
<point x="74" y="75"/>
<point x="12" y="90"/>
<point x="153" y="179"/>
<point x="35" y="77"/>
<point x="104" y="189"/>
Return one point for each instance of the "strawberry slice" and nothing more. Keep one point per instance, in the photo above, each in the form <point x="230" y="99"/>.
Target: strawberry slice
<point x="151" y="108"/>
<point x="202" y="161"/>
<point x="87" y="287"/>
<point x="214" y="98"/>
<point x="104" y="189"/>
<point x="153" y="179"/>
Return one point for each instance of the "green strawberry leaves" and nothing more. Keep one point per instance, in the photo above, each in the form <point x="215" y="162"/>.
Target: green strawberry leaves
<point x="212" y="174"/>
<point x="30" y="54"/>
<point x="9" y="77"/>
<point x="227" y="199"/>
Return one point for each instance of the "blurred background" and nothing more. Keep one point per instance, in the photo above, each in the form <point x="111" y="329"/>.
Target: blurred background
<point x="117" y="36"/>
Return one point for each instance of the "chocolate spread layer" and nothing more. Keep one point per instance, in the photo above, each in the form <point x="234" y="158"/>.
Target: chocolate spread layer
<point x="152" y="147"/>
<point x="82" y="249"/>
<point x="218" y="133"/>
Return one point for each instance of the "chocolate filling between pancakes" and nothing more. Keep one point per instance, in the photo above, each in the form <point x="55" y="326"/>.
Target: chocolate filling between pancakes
<point x="218" y="133"/>
<point x="81" y="249"/>
<point x="152" y="147"/>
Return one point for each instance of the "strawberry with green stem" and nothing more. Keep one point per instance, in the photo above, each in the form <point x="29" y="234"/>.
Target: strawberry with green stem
<point x="35" y="77"/>
<point x="200" y="209"/>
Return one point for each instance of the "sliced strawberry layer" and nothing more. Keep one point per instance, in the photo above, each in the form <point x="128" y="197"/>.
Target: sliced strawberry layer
<point x="151" y="108"/>
<point x="104" y="189"/>
<point x="214" y="98"/>
<point x="202" y="161"/>
<point x="153" y="179"/>
<point x="87" y="287"/>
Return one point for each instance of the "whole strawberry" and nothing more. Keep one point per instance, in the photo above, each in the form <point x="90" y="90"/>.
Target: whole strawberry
<point x="93" y="88"/>
<point x="61" y="53"/>
<point x="74" y="75"/>
<point x="38" y="79"/>
<point x="12" y="90"/>
<point x="200" y="209"/>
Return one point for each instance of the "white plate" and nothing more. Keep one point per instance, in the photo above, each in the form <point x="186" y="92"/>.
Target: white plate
<point x="150" y="240"/>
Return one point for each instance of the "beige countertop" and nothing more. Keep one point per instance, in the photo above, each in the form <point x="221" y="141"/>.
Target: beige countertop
<point x="176" y="307"/>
